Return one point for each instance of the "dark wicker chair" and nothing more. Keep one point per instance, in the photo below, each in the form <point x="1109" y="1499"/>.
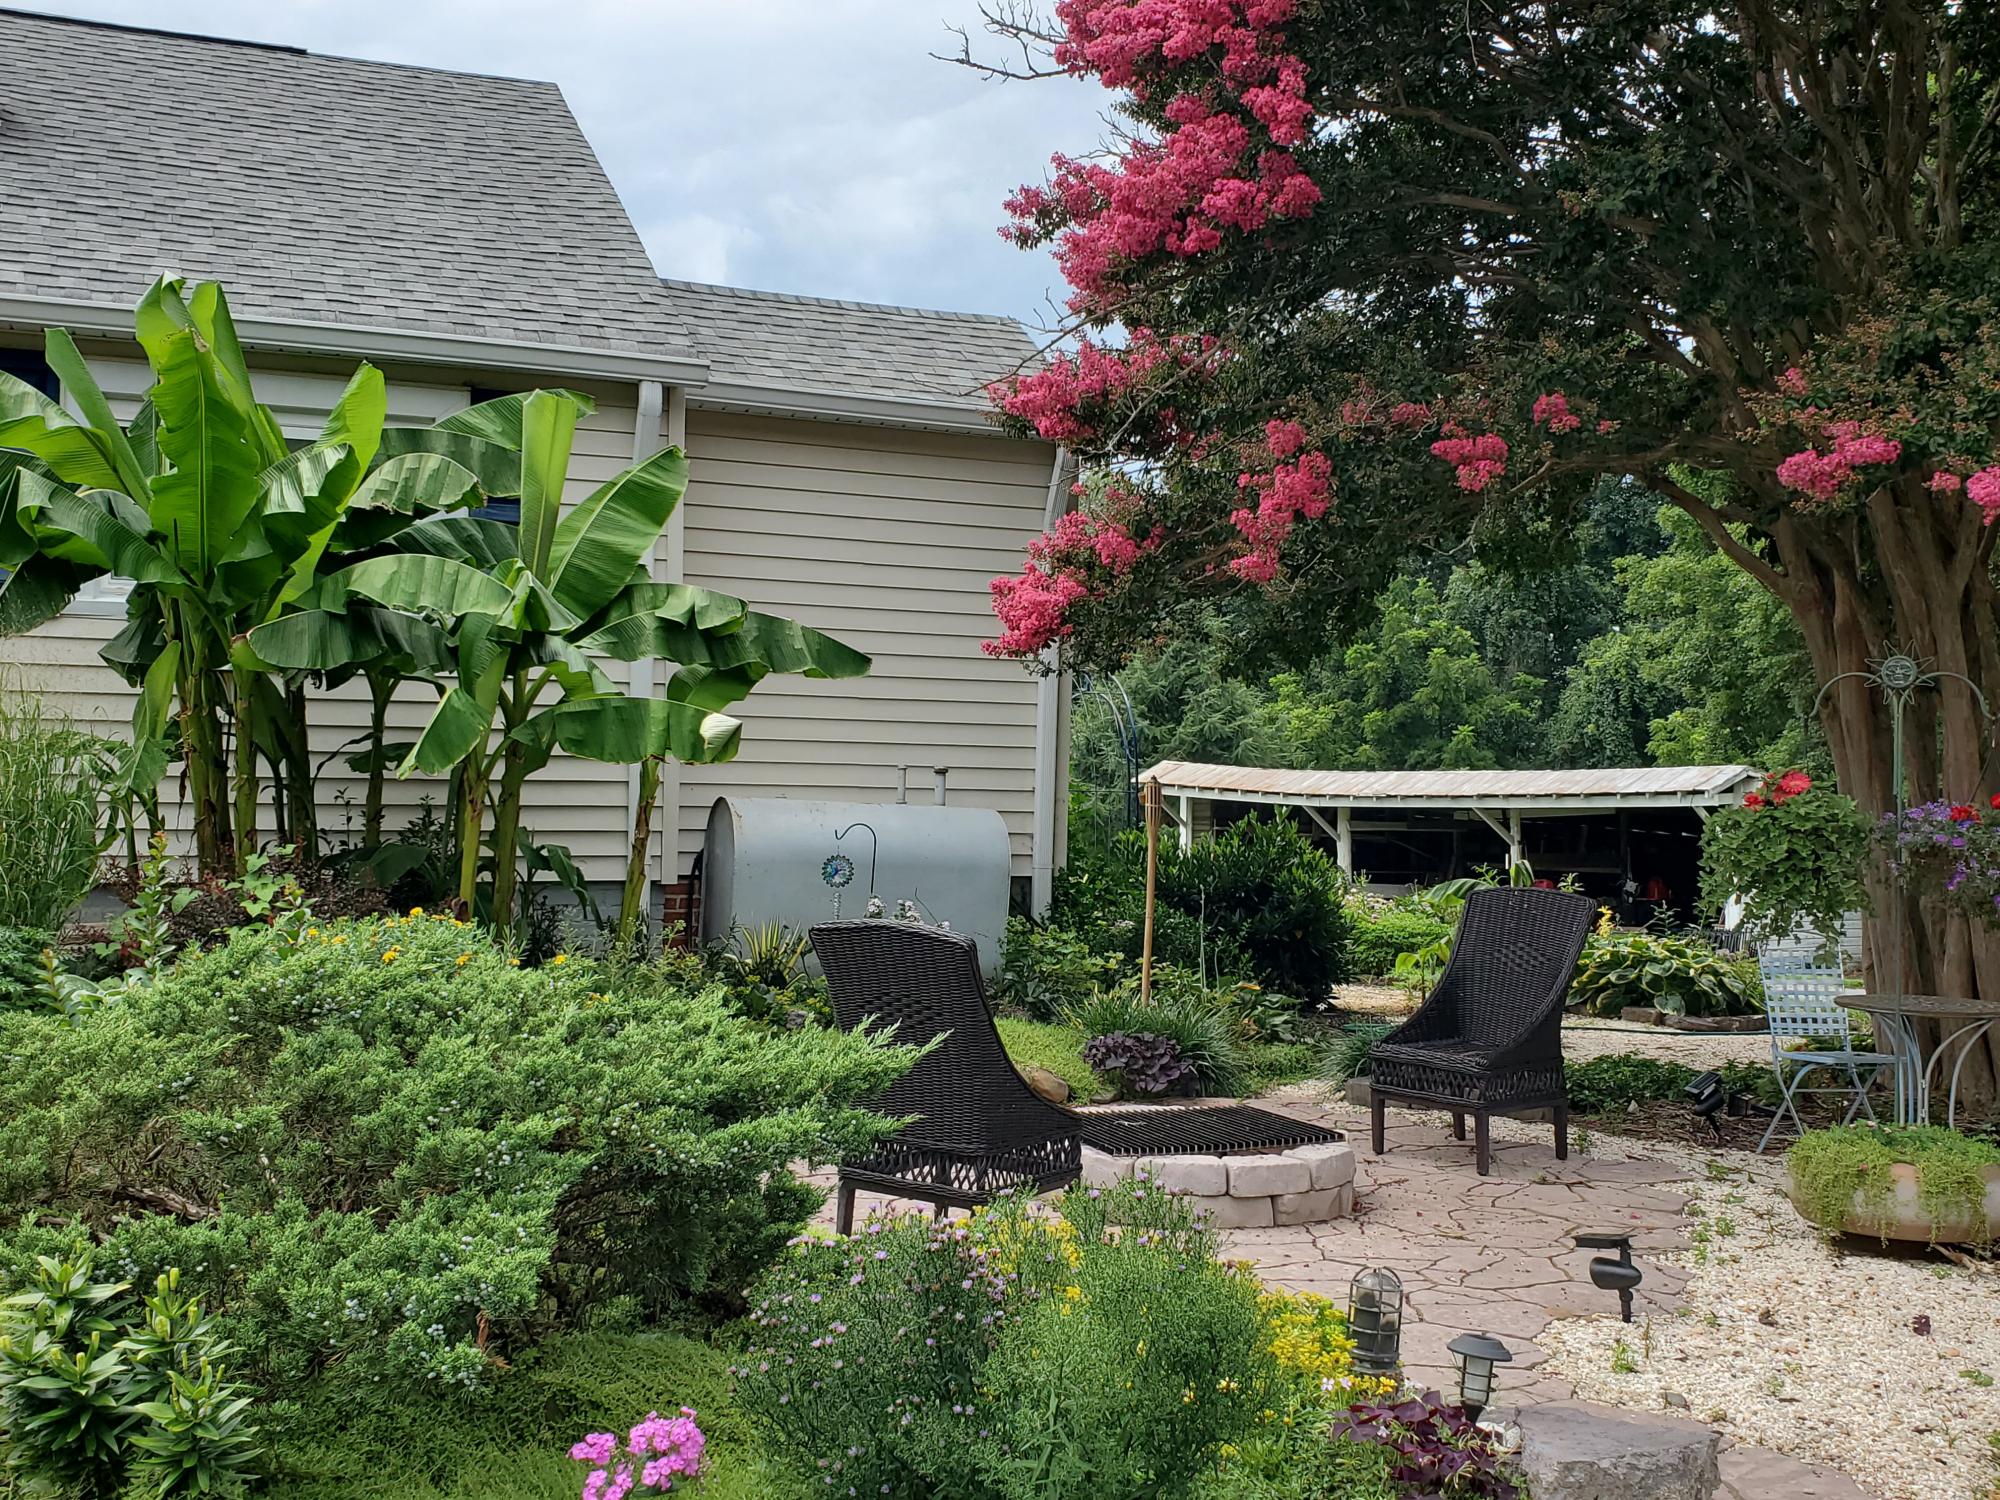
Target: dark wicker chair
<point x="981" y="1130"/>
<point x="1489" y="1037"/>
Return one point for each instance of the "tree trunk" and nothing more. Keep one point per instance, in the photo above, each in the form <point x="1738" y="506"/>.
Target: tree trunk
<point x="1926" y="593"/>
<point x="631" y="917"/>
<point x="202" y="748"/>
<point x="300" y="797"/>
<point x="471" y="820"/>
<point x="506" y="833"/>
<point x="381" y="687"/>
<point x="246" y="765"/>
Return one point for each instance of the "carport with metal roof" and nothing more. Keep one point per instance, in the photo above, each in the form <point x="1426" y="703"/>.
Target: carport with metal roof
<point x="1353" y="805"/>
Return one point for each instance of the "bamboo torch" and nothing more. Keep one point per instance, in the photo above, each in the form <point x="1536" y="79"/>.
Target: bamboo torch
<point x="1149" y="793"/>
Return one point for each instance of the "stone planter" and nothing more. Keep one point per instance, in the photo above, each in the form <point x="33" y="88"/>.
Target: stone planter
<point x="1902" y="1215"/>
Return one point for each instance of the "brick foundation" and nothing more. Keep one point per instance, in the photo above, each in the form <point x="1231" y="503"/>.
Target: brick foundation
<point x="680" y="912"/>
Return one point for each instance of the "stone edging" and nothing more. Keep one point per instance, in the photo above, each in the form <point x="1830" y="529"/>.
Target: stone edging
<point x="1305" y="1185"/>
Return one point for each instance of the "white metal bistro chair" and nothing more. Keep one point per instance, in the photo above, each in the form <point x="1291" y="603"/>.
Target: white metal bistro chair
<point x="1803" y="999"/>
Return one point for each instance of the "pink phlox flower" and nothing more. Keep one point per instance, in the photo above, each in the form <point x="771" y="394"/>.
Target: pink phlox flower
<point x="597" y="1448"/>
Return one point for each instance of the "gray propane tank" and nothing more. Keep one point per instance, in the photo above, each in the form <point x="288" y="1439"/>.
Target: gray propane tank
<point x="773" y="859"/>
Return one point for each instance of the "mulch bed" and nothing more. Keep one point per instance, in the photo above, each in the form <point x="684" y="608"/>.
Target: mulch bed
<point x="1670" y="1120"/>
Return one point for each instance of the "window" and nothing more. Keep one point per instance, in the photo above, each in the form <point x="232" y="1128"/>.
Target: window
<point x="26" y="364"/>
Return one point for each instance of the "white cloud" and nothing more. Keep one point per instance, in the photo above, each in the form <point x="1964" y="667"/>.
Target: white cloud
<point x="798" y="145"/>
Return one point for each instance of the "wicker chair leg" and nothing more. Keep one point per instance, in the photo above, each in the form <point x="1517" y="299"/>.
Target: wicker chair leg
<point x="1376" y="1105"/>
<point x="843" y="1207"/>
<point x="1562" y="1131"/>
<point x="1458" y="1124"/>
<point x="1482" y="1141"/>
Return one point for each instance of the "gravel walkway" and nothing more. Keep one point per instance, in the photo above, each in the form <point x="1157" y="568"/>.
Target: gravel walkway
<point x="1783" y="1340"/>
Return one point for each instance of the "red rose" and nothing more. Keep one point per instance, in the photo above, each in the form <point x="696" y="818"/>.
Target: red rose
<point x="1753" y="799"/>
<point x="1961" y="813"/>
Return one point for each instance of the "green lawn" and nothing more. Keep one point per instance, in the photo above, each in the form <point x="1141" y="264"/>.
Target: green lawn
<point x="1058" y="1048"/>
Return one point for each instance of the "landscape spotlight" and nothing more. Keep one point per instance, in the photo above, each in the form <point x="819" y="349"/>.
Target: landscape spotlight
<point x="1707" y="1097"/>
<point x="1611" y="1273"/>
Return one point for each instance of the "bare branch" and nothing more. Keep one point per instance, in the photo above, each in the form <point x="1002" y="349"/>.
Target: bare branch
<point x="1015" y="24"/>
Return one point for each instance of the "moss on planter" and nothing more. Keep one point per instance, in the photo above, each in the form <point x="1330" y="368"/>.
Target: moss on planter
<point x="1832" y="1169"/>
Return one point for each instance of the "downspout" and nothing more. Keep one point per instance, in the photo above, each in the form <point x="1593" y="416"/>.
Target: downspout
<point x="1051" y="751"/>
<point x="641" y="681"/>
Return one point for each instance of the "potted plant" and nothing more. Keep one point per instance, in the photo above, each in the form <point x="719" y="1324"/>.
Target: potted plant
<point x="1794" y="853"/>
<point x="1922" y="1183"/>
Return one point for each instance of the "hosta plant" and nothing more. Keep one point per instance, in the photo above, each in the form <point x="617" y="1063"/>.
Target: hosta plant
<point x="1674" y="975"/>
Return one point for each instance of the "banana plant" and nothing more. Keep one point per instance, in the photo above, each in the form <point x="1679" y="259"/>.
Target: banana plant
<point x="220" y="524"/>
<point x="528" y="608"/>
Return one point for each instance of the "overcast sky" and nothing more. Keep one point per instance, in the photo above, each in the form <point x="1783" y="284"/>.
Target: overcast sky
<point x="792" y="145"/>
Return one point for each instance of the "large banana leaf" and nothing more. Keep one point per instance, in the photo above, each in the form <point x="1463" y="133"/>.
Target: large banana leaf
<point x="109" y="530"/>
<point x="357" y="417"/>
<point x="600" y="542"/>
<point x="209" y="310"/>
<point x="627" y="730"/>
<point x="82" y="389"/>
<point x="628" y="630"/>
<point x="31" y="421"/>
<point x="202" y="504"/>
<point x="548" y="429"/>
<point x="433" y="585"/>
<point x="500" y="420"/>
<point x="37" y="591"/>
<point x="472" y="540"/>
<point x="458" y="726"/>
<point x="498" y="468"/>
<point x="313" y="640"/>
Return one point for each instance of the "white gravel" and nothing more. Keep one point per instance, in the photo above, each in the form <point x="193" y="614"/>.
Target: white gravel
<point x="1785" y="1341"/>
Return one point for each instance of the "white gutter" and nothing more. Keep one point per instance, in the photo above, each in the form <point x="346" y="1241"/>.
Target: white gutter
<point x="1050" y="692"/>
<point x="941" y="414"/>
<point x="403" y="345"/>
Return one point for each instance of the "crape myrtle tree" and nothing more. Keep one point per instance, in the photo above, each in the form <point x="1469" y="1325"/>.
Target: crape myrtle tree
<point x="1356" y="276"/>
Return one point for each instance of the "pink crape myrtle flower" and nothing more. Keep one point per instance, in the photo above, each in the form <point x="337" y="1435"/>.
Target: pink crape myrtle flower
<point x="1287" y="492"/>
<point x="1793" y="381"/>
<point x="1944" y="482"/>
<point x="1479" y="460"/>
<point x="1552" y="411"/>
<point x="1822" y="475"/>
<point x="1983" y="490"/>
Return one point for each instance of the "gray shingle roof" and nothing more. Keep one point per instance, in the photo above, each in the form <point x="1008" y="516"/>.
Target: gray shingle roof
<point x="318" y="189"/>
<point x="772" y="339"/>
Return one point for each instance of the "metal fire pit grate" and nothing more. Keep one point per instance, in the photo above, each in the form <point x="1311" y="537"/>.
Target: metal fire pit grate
<point x="1166" y="1130"/>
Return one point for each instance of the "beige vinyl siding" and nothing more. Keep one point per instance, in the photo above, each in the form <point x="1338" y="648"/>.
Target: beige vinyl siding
<point x="886" y="539"/>
<point x="575" y="802"/>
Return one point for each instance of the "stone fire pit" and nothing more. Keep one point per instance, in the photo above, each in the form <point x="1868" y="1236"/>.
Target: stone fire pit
<point x="1260" y="1190"/>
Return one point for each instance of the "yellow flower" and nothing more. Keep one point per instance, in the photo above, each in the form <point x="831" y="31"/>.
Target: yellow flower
<point x="514" y="963"/>
<point x="463" y="959"/>
<point x="416" y="911"/>
<point x="312" y="932"/>
<point x="337" y="939"/>
<point x="560" y="958"/>
<point x="389" y="955"/>
<point x="1141" y="1351"/>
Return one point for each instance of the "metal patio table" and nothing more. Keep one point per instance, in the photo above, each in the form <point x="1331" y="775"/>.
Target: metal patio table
<point x="1896" y="1030"/>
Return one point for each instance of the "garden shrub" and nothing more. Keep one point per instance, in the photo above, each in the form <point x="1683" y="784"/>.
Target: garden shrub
<point x="103" y="1393"/>
<point x="513" y="1441"/>
<point x="1676" y="975"/>
<point x="1138" y="1064"/>
<point x="1829" y="1167"/>
<point x="1379" y="935"/>
<point x="1257" y="901"/>
<point x="1045" y="969"/>
<point x="1201" y="1022"/>
<point x="52" y="776"/>
<point x="23" y="980"/>
<point x="1347" y="1055"/>
<point x="1015" y="1356"/>
<point x="1047" y="1045"/>
<point x="387" y="1150"/>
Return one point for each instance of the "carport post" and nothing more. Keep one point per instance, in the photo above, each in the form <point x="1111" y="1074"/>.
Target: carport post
<point x="1344" y="839"/>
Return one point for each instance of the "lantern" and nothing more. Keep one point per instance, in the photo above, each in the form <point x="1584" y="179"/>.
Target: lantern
<point x="1612" y="1273"/>
<point x="1375" y="1320"/>
<point x="1477" y="1354"/>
